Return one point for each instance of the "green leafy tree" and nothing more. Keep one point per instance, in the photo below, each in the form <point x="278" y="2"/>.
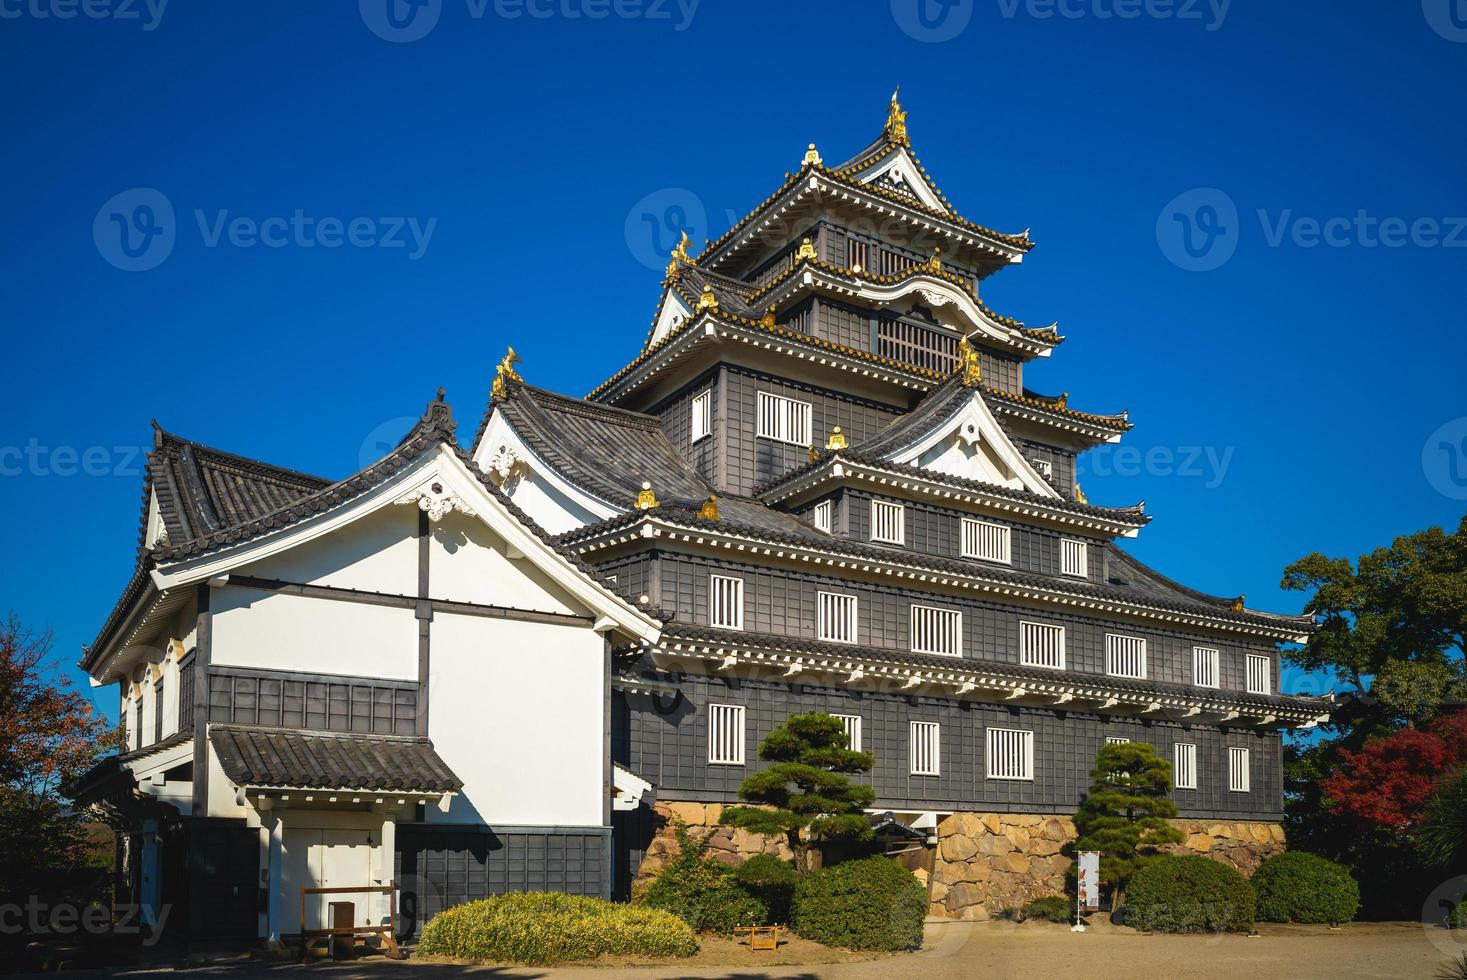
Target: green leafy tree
<point x="1442" y="837"/>
<point x="1124" y="815"/>
<point x="806" y="793"/>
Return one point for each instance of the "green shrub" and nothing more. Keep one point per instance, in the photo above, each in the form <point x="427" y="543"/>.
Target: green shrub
<point x="537" y="928"/>
<point x="872" y="903"/>
<point x="1051" y="908"/>
<point x="703" y="892"/>
<point x="1189" y="894"/>
<point x="770" y="880"/>
<point x="1299" y="887"/>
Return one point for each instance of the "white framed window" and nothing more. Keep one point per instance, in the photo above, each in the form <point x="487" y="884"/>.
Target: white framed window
<point x="823" y="515"/>
<point x="1185" y="756"/>
<point x="1260" y="674"/>
<point x="1240" y="778"/>
<point x="982" y="539"/>
<point x="726" y="734"/>
<point x="1043" y="467"/>
<point x="1205" y="666"/>
<point x="852" y="725"/>
<point x="1117" y="740"/>
<point x="888" y="522"/>
<point x="937" y="630"/>
<point x="1010" y="754"/>
<point x="1125" y="656"/>
<point x="1074" y="558"/>
<point x="726" y="602"/>
<point x="784" y="419"/>
<point x="1041" y="645"/>
<point x="702" y="416"/>
<point x="835" y="617"/>
<point x="926" y="748"/>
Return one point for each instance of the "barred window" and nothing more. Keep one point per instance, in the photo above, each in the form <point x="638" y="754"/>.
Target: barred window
<point x="1074" y="558"/>
<point x="1204" y="666"/>
<point x="926" y="749"/>
<point x="824" y="515"/>
<point x="1125" y="656"/>
<point x="1186" y="765"/>
<point x="726" y="734"/>
<point x="1239" y="777"/>
<point x="887" y="522"/>
<point x="937" y="630"/>
<point x="852" y="725"/>
<point x="1260" y="674"/>
<point x="784" y="419"/>
<point x="702" y="420"/>
<point x="726" y="602"/>
<point x="1044" y="467"/>
<point x="1117" y="740"/>
<point x="984" y="540"/>
<point x="858" y="255"/>
<point x="1041" y="645"/>
<point x="836" y="617"/>
<point x="1010" y="754"/>
<point x="158" y="710"/>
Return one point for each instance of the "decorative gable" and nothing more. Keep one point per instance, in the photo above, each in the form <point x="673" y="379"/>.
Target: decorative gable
<point x="973" y="446"/>
<point x="898" y="172"/>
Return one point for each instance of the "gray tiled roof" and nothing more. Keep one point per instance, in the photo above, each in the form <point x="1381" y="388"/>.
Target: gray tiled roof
<point x="322" y="760"/>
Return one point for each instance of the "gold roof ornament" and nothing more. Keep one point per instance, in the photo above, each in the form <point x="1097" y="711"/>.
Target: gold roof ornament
<point x="646" y="499"/>
<point x="767" y="320"/>
<point x="1080" y="497"/>
<point x="707" y="301"/>
<point x="969" y="363"/>
<point x="814" y="453"/>
<point x="935" y="263"/>
<point x="1238" y="603"/>
<point x="837" y="440"/>
<point x="812" y="156"/>
<point x="504" y="373"/>
<point x="1063" y="401"/>
<point x="709" y="510"/>
<point x="680" y="250"/>
<point x="807" y="250"/>
<point x="896" y="122"/>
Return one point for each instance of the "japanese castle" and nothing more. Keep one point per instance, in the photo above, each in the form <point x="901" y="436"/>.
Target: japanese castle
<point x="506" y="662"/>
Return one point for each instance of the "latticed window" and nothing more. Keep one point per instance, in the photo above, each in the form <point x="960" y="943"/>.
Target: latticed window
<point x="926" y="749"/>
<point x="894" y="262"/>
<point x="1260" y="674"/>
<point x="1074" y="558"/>
<point x="1239" y="777"/>
<point x="1117" y="740"/>
<point x="784" y="419"/>
<point x="937" y="631"/>
<point x="726" y="734"/>
<point x="1186" y="765"/>
<point x="888" y="522"/>
<point x="984" y="540"/>
<point x="726" y="602"/>
<point x="852" y="725"/>
<point x="1010" y="754"/>
<point x="858" y="255"/>
<point x="1125" y="656"/>
<point x="1205" y="666"/>
<point x="702" y="419"/>
<point x="823" y="515"/>
<point x="836" y="615"/>
<point x="1041" y="645"/>
<point x="186" y="695"/>
<point x="158" y="710"/>
<point x="919" y="346"/>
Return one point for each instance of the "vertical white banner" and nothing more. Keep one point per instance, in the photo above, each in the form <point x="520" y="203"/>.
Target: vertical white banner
<point x="1089" y="881"/>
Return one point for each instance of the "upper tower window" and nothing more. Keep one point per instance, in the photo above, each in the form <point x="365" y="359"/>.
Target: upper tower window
<point x="1074" y="558"/>
<point x="784" y="419"/>
<point x="888" y="522"/>
<point x="702" y="417"/>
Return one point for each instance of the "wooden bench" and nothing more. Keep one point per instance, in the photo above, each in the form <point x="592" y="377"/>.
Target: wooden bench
<point x="387" y="934"/>
<point x="762" y="937"/>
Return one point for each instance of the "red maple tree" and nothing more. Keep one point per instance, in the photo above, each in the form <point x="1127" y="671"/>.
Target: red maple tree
<point x="1389" y="781"/>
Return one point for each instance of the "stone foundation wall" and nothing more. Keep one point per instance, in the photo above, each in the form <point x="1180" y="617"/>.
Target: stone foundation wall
<point x="727" y="844"/>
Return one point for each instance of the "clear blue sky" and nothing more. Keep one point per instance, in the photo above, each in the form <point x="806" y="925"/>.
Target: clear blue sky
<point x="1318" y="374"/>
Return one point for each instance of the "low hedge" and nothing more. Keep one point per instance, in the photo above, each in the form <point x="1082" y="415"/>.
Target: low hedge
<point x="1299" y="887"/>
<point x="871" y="903"/>
<point x="703" y="892"/>
<point x="1052" y="908"/>
<point x="538" y="928"/>
<point x="1189" y="894"/>
<point x="772" y="881"/>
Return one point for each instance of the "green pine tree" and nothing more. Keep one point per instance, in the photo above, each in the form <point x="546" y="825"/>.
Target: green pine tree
<point x="1124" y="815"/>
<point x="805" y="793"/>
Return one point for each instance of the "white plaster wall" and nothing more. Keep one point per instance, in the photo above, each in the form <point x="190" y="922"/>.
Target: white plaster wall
<point x="221" y="794"/>
<point x="467" y="563"/>
<point x="377" y="553"/>
<point x="327" y="636"/>
<point x="548" y="506"/>
<point x="516" y="710"/>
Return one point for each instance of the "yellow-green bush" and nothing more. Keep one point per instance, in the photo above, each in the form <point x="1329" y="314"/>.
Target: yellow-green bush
<point x="549" y="927"/>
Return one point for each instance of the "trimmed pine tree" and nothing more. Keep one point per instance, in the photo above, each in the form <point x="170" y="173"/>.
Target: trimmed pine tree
<point x="1125" y="814"/>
